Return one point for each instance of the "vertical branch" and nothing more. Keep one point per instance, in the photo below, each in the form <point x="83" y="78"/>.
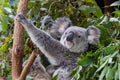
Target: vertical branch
<point x="17" y="49"/>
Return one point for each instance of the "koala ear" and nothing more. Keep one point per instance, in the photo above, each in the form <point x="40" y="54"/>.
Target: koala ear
<point x="46" y="22"/>
<point x="93" y="35"/>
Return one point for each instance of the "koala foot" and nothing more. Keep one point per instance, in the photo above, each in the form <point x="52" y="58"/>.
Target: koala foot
<point x="20" y="18"/>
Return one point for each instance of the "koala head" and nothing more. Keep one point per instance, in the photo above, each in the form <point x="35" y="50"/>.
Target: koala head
<point x="76" y="39"/>
<point x="56" y="28"/>
<point x="46" y="22"/>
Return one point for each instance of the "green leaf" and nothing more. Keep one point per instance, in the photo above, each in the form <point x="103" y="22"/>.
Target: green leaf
<point x="117" y="13"/>
<point x="115" y="53"/>
<point x="86" y="61"/>
<point x="116" y="3"/>
<point x="118" y="56"/>
<point x="103" y="73"/>
<point x="109" y="74"/>
<point x="116" y="77"/>
<point x="76" y="75"/>
<point x="119" y="70"/>
<point x="8" y="10"/>
<point x="55" y="77"/>
<point x="0" y="27"/>
<point x="29" y="78"/>
<point x="13" y="2"/>
<point x="105" y="19"/>
<point x="73" y="72"/>
<point x="9" y="77"/>
<point x="105" y="58"/>
<point x="98" y="12"/>
<point x="102" y="66"/>
<point x="114" y="20"/>
<point x="4" y="20"/>
<point x="90" y="1"/>
<point x="84" y="9"/>
<point x="43" y="9"/>
<point x="109" y="49"/>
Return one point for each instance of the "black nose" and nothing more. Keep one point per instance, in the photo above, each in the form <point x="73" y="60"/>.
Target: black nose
<point x="70" y="36"/>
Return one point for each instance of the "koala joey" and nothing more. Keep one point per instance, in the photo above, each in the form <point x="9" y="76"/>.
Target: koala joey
<point x="56" y="28"/>
<point x="37" y="70"/>
<point x="64" y="55"/>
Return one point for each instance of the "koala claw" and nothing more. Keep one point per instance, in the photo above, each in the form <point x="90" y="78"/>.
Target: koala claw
<point x="20" y="17"/>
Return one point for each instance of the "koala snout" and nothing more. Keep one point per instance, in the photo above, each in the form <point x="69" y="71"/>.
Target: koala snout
<point x="70" y="36"/>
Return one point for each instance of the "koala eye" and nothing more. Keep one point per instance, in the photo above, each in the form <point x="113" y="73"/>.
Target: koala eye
<point x="79" y="36"/>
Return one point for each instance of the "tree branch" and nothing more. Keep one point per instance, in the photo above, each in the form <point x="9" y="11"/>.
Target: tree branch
<point x="17" y="49"/>
<point x="28" y="65"/>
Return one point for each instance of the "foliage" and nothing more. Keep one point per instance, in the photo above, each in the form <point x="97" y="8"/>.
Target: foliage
<point x="102" y="64"/>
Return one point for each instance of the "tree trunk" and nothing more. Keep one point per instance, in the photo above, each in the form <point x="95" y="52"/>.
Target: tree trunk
<point x="17" y="49"/>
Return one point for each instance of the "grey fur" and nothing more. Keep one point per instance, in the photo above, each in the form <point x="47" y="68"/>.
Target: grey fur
<point x="56" y="28"/>
<point x="58" y="54"/>
<point x="79" y="42"/>
<point x="37" y="70"/>
<point x="82" y="38"/>
<point x="93" y="34"/>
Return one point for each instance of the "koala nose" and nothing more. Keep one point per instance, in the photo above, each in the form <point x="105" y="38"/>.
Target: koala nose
<point x="70" y="36"/>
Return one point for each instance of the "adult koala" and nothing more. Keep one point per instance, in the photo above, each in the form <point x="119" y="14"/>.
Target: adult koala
<point x="64" y="54"/>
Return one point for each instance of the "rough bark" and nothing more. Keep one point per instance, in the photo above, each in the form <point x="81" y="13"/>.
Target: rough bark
<point x="18" y="40"/>
<point x="1" y="78"/>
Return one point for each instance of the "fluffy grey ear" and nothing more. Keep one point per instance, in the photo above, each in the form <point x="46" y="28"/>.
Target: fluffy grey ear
<point x="93" y="35"/>
<point x="46" y="22"/>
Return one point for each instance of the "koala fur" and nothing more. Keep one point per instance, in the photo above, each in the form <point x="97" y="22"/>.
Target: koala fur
<point x="64" y="54"/>
<point x="77" y="39"/>
<point x="37" y="70"/>
<point x="56" y="28"/>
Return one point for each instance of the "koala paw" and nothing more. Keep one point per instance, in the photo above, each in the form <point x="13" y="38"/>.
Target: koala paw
<point x="20" y="18"/>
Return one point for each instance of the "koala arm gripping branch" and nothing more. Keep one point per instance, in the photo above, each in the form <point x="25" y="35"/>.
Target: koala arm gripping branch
<point x="50" y="47"/>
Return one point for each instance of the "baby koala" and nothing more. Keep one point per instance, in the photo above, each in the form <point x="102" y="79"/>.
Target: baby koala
<point x="56" y="28"/>
<point x="37" y="70"/>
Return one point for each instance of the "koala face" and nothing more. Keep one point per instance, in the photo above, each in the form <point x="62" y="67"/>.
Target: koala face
<point x="75" y="39"/>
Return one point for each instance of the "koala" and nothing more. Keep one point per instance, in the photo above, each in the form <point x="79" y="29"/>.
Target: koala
<point x="77" y="39"/>
<point x="65" y="52"/>
<point x="37" y="70"/>
<point x="56" y="28"/>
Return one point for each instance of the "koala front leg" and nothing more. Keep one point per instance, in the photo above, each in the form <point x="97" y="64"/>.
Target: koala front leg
<point x="26" y="24"/>
<point x="50" y="47"/>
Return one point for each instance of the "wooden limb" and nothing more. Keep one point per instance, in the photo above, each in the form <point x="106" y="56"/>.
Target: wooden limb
<point x="28" y="65"/>
<point x="1" y="78"/>
<point x="17" y="50"/>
